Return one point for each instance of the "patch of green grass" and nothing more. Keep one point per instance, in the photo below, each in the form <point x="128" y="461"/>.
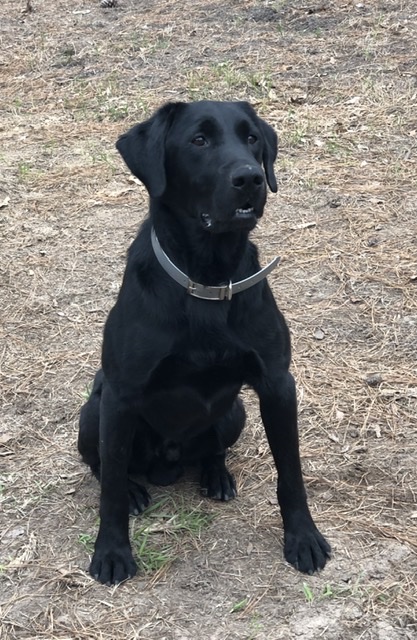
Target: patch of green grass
<point x="50" y="148"/>
<point x="177" y="519"/>
<point x="279" y="27"/>
<point x="227" y="77"/>
<point x="297" y="136"/>
<point x="101" y="157"/>
<point x="117" y="112"/>
<point x="190" y="521"/>
<point x="103" y="99"/>
<point x="255" y="627"/>
<point x="226" y="72"/>
<point x="239" y="606"/>
<point x="109" y="101"/>
<point x="308" y="593"/>
<point x="65" y="56"/>
<point x="354" y="589"/>
<point x="145" y="43"/>
<point x="141" y="108"/>
<point x="152" y="557"/>
<point x="160" y="44"/>
<point x="28" y="173"/>
<point x="261" y="82"/>
<point x="85" y="395"/>
<point x="328" y="591"/>
<point x="164" y="529"/>
<point x="205" y="83"/>
<point x="86" y="540"/>
<point x="161" y="534"/>
<point x="23" y="170"/>
<point x="333" y="146"/>
<point x="17" y="105"/>
<point x="308" y="183"/>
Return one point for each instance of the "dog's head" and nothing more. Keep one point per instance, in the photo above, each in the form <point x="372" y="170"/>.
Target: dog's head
<point x="207" y="160"/>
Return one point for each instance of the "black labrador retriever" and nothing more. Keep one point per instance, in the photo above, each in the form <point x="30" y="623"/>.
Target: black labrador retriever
<point x="195" y="320"/>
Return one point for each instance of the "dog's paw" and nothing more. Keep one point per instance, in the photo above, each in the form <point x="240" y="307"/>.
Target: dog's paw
<point x="217" y="483"/>
<point x="307" y="550"/>
<point x="139" y="498"/>
<point x="113" y="565"/>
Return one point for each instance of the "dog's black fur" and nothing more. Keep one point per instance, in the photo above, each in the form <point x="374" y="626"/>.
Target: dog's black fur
<point x="172" y="364"/>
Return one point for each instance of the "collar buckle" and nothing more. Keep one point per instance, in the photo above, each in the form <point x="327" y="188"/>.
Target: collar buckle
<point x="223" y="292"/>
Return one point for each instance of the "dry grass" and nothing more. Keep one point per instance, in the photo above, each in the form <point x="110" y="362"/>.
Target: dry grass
<point x="338" y="80"/>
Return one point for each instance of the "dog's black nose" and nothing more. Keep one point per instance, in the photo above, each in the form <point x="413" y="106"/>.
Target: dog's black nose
<point x="247" y="176"/>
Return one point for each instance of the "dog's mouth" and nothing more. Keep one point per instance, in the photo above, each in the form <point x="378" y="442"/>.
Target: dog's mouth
<point x="242" y="217"/>
<point x="244" y="214"/>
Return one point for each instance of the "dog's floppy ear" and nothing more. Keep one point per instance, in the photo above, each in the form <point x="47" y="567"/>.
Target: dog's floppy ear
<point x="143" y="148"/>
<point x="269" y="153"/>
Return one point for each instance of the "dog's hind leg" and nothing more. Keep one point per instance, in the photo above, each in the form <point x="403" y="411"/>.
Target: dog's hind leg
<point x="88" y="445"/>
<point x="216" y="481"/>
<point x="88" y="435"/>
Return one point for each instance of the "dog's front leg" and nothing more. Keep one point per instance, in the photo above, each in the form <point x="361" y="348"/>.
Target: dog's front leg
<point x="304" y="546"/>
<point x="112" y="561"/>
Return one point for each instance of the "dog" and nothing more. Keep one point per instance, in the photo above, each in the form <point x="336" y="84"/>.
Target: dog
<point x="194" y="321"/>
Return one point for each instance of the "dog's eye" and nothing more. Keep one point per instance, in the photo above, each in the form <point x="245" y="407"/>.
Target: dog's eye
<point x="252" y="139"/>
<point x="199" y="141"/>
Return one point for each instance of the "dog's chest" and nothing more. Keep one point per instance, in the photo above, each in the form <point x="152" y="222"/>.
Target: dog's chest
<point x="187" y="392"/>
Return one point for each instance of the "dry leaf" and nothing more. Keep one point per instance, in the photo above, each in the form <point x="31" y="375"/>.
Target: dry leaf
<point x="5" y="437"/>
<point x="411" y="392"/>
<point x="303" y="225"/>
<point x="134" y="179"/>
<point x="27" y="554"/>
<point x="302" y="99"/>
<point x="119" y="192"/>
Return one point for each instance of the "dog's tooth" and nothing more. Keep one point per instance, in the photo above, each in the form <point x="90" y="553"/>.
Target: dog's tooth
<point x="241" y="211"/>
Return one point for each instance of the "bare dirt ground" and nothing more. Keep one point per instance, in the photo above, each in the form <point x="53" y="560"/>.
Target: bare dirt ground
<point x="338" y="80"/>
